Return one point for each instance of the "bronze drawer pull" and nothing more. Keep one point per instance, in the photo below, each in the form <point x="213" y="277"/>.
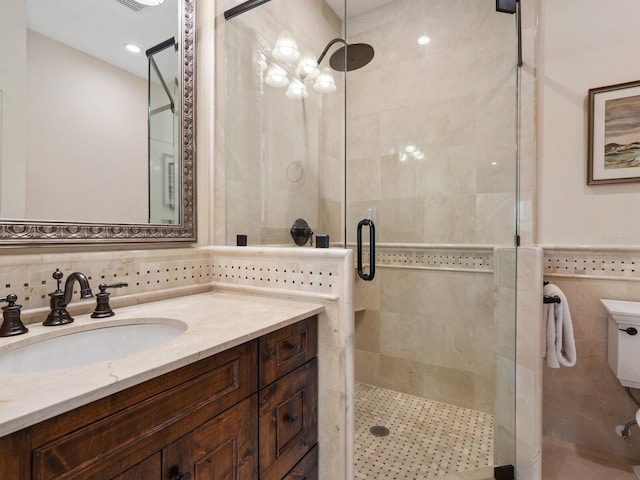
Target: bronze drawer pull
<point x="291" y="420"/>
<point x="293" y="347"/>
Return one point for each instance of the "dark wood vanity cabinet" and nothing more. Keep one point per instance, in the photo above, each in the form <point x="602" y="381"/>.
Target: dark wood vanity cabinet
<point x="288" y="397"/>
<point x="217" y="419"/>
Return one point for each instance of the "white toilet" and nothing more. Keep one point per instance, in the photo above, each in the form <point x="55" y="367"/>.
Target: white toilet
<point x="624" y="348"/>
<point x="624" y="341"/>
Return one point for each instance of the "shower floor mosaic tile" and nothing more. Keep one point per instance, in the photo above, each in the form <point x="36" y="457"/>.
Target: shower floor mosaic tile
<point x="427" y="439"/>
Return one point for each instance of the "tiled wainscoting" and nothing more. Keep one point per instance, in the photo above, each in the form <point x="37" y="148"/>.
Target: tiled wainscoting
<point x="145" y="271"/>
<point x="324" y="276"/>
<point x="425" y="324"/>
<point x="582" y="405"/>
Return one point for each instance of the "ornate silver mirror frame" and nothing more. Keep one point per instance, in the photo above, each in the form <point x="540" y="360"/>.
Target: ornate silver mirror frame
<point x="24" y="233"/>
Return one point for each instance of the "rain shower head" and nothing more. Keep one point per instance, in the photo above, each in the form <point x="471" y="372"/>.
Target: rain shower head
<point x="354" y="55"/>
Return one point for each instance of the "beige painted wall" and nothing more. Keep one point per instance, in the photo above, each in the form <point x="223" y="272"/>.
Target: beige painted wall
<point x="95" y="126"/>
<point x="583" y="44"/>
<point x="13" y="119"/>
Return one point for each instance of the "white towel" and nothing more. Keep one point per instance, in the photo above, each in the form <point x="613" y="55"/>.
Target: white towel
<point x="560" y="346"/>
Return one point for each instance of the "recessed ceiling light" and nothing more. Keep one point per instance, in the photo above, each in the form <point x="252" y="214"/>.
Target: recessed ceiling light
<point x="133" y="48"/>
<point x="423" y="40"/>
<point x="151" y="3"/>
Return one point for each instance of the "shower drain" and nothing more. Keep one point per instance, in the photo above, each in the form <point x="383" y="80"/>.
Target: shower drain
<point x="379" y="431"/>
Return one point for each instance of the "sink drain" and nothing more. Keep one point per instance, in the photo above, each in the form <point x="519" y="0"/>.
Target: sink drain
<point x="379" y="431"/>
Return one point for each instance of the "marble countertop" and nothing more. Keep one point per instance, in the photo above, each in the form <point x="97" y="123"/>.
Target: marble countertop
<point x="216" y="321"/>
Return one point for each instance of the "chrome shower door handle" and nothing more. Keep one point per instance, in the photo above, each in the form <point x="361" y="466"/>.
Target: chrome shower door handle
<point x="372" y="250"/>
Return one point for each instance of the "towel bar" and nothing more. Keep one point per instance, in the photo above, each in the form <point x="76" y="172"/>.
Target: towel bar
<point x="552" y="299"/>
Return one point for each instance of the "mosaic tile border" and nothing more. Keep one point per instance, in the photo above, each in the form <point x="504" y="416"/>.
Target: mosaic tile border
<point x="450" y="258"/>
<point x="279" y="269"/>
<point x="30" y="276"/>
<point x="592" y="263"/>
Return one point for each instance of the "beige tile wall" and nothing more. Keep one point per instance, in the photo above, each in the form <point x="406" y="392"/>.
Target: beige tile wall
<point x="428" y="331"/>
<point x="283" y="156"/>
<point x="583" y="404"/>
<point x="528" y="379"/>
<point x="505" y="351"/>
<point x="454" y="100"/>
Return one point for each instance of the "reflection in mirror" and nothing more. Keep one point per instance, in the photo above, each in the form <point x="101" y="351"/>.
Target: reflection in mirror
<point x="163" y="122"/>
<point x="96" y="140"/>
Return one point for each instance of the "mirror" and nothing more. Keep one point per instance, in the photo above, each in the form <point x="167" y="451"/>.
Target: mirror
<point x="97" y="143"/>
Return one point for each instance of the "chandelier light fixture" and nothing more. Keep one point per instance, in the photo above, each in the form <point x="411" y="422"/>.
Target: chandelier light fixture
<point x="286" y="48"/>
<point x="276" y="76"/>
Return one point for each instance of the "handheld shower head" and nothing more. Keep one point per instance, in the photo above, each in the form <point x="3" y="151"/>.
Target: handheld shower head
<point x="349" y="57"/>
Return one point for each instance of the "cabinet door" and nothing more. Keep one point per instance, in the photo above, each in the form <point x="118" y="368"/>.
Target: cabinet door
<point x="224" y="448"/>
<point x="288" y="420"/>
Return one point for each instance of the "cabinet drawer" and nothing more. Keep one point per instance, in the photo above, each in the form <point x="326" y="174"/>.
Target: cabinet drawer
<point x="286" y="349"/>
<point x="307" y="468"/>
<point x="288" y="421"/>
<point x="147" y="469"/>
<point x="107" y="447"/>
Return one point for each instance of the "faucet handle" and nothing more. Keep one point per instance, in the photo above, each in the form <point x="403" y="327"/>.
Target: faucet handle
<point x="102" y="300"/>
<point x="57" y="276"/>
<point x="11" y="324"/>
<point x="103" y="286"/>
<point x="11" y="300"/>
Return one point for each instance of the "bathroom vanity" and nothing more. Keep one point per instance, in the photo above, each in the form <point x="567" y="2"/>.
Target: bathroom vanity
<point x="224" y="398"/>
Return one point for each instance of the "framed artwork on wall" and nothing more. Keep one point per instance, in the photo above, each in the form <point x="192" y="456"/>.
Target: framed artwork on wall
<point x="614" y="134"/>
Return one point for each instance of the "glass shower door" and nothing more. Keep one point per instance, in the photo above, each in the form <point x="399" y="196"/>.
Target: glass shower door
<point x="431" y="158"/>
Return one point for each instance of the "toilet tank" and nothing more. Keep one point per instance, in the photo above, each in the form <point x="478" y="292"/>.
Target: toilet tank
<point x="624" y="341"/>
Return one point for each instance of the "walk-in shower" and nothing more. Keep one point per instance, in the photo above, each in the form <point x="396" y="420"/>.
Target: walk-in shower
<point x="417" y="139"/>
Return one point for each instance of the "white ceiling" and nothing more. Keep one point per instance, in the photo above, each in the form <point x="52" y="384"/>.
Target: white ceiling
<point x="102" y="28"/>
<point x="356" y="7"/>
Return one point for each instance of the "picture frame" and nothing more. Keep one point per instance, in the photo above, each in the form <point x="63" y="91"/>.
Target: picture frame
<point x="614" y="134"/>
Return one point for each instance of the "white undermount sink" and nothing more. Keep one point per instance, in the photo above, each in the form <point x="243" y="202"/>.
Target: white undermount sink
<point x="79" y="348"/>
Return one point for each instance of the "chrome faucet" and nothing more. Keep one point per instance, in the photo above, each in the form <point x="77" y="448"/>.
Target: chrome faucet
<point x="59" y="299"/>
